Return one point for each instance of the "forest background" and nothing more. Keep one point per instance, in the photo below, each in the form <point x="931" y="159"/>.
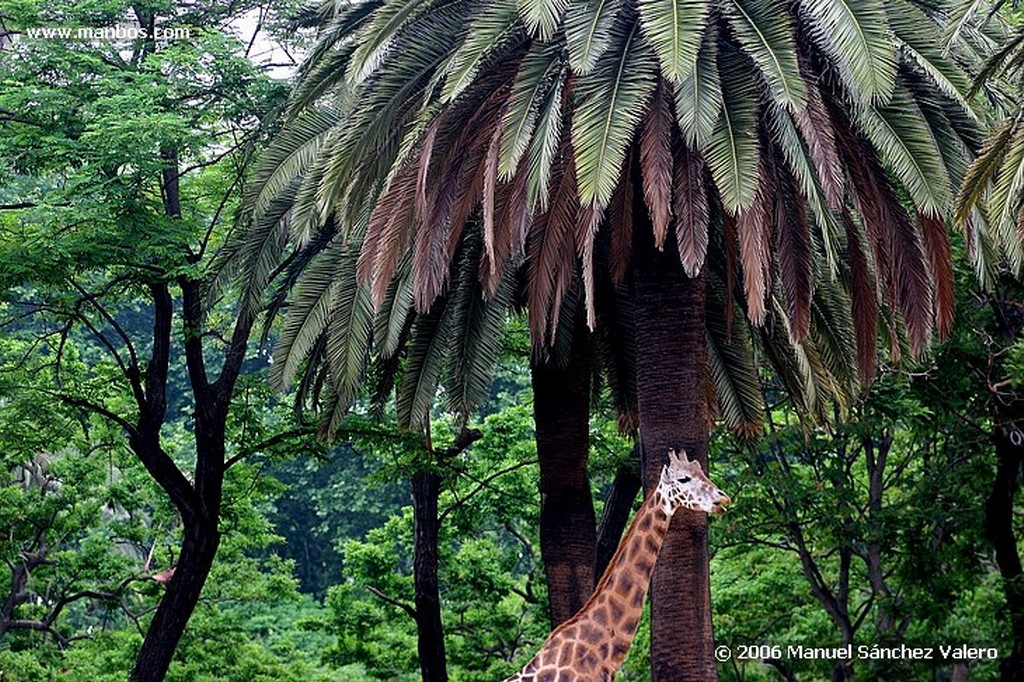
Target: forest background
<point x="124" y="166"/>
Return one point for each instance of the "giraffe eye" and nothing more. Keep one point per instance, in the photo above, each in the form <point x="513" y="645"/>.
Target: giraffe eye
<point x="683" y="479"/>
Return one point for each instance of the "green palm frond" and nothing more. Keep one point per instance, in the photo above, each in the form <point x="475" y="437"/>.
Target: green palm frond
<point x="349" y="333"/>
<point x="309" y="314"/>
<point x="542" y="17"/>
<point x="915" y="38"/>
<point x="1007" y="198"/>
<point x="611" y="103"/>
<point x="588" y="30"/>
<point x="906" y="144"/>
<point x="732" y="366"/>
<point x="427" y="352"/>
<point x="326" y="78"/>
<point x="1009" y="55"/>
<point x="476" y="340"/>
<point x="495" y="26"/>
<point x="396" y="310"/>
<point x="378" y="35"/>
<point x="767" y="37"/>
<point x="857" y="36"/>
<point x="833" y="333"/>
<point x="674" y="29"/>
<point x="538" y="74"/>
<point x="698" y="97"/>
<point x="732" y="152"/>
<point x="544" y="147"/>
<point x="979" y="176"/>
<point x="289" y="155"/>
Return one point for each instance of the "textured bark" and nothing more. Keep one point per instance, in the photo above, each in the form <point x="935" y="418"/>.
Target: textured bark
<point x="617" y="507"/>
<point x="671" y="361"/>
<point x="168" y="625"/>
<point x="426" y="487"/>
<point x="999" y="528"/>
<point x="561" y="406"/>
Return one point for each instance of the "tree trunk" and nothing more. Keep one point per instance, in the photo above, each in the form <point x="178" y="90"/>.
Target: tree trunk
<point x="426" y="487"/>
<point x="671" y="362"/>
<point x="198" y="550"/>
<point x="616" y="513"/>
<point x="561" y="408"/>
<point x="999" y="528"/>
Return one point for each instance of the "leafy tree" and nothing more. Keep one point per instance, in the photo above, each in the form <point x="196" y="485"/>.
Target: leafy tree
<point x="881" y="517"/>
<point x="86" y="529"/>
<point x="492" y="591"/>
<point x="128" y="158"/>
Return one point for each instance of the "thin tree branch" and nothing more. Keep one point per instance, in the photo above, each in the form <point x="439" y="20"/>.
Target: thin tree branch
<point x="483" y="483"/>
<point x="390" y="600"/>
<point x="276" y="439"/>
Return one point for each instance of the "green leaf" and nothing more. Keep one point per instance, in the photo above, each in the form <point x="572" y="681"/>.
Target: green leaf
<point x="856" y="34"/>
<point x="545" y="144"/>
<point x="698" y="97"/>
<point x="542" y="17"/>
<point x="427" y="352"/>
<point x="732" y="152"/>
<point x="919" y="41"/>
<point x="767" y="37"/>
<point x="538" y="74"/>
<point x="308" y="314"/>
<point x="377" y="35"/>
<point x="492" y="27"/>
<point x="588" y="29"/>
<point x="611" y="104"/>
<point x="907" y="147"/>
<point x="674" y="29"/>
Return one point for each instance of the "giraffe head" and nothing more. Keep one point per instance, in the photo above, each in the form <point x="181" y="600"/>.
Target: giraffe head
<point x="683" y="484"/>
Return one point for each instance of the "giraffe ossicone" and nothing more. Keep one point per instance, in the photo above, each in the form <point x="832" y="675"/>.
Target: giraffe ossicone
<point x="591" y="646"/>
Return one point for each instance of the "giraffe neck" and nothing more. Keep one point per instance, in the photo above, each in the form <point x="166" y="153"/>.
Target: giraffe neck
<point x="593" y="644"/>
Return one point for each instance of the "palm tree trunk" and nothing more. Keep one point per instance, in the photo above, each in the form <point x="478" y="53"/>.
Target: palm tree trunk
<point x="617" y="508"/>
<point x="671" y="362"/>
<point x="561" y="404"/>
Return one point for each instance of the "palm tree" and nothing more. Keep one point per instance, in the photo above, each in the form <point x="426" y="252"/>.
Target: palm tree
<point x="761" y="150"/>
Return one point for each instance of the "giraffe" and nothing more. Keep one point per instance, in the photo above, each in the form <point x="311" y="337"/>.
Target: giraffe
<point x="590" y="646"/>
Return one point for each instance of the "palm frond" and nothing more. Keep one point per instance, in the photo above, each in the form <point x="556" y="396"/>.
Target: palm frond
<point x="857" y="36"/>
<point x="588" y="31"/>
<point x="733" y="150"/>
<point x="698" y="97"/>
<point x="767" y="37"/>
<point x="907" y="146"/>
<point x="539" y="73"/>
<point x="674" y="29"/>
<point x="542" y="17"/>
<point x="491" y="31"/>
<point x="611" y="101"/>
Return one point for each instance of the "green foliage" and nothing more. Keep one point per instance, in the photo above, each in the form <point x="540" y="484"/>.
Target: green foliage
<point x="896" y="491"/>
